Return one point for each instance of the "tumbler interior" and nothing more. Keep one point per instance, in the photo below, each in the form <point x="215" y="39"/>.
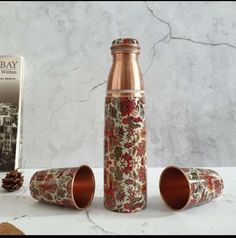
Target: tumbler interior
<point x="83" y="187"/>
<point x="174" y="188"/>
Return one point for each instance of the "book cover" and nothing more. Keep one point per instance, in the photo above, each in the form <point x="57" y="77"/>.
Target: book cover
<point x="11" y="83"/>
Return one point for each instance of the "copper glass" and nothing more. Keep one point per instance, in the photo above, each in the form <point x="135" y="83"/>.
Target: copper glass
<point x="71" y="187"/>
<point x="189" y="187"/>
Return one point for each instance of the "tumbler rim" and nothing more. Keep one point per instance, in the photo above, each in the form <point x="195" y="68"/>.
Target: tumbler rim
<point x="189" y="188"/>
<point x="72" y="188"/>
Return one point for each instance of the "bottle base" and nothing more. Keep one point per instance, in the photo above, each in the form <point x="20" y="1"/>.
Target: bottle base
<point x="125" y="211"/>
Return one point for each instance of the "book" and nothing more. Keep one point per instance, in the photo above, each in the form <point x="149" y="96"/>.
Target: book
<point x="11" y="84"/>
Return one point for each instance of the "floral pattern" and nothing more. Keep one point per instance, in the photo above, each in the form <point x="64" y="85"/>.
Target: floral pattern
<point x="125" y="154"/>
<point x="125" y="41"/>
<point x="53" y="186"/>
<point x="205" y="185"/>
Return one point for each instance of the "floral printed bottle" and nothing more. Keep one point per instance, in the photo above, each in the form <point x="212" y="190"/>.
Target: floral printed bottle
<point x="125" y="131"/>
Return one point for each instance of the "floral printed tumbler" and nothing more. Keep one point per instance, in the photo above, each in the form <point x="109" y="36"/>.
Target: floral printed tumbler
<point x="125" y="131"/>
<point x="188" y="187"/>
<point x="70" y="187"/>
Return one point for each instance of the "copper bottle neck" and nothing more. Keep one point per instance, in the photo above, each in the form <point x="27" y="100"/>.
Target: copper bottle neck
<point x="125" y="56"/>
<point x="125" y="78"/>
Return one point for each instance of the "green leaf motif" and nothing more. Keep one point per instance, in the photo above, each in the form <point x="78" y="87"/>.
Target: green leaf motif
<point x="141" y="109"/>
<point x="113" y="112"/>
<point x="118" y="174"/>
<point x="194" y="175"/>
<point x="131" y="123"/>
<point x="135" y="200"/>
<point x="118" y="152"/>
<point x="121" y="132"/>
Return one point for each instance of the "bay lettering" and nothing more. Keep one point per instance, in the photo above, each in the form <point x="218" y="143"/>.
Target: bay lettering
<point x="8" y="64"/>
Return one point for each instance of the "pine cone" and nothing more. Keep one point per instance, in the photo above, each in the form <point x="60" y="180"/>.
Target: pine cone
<point x="13" y="181"/>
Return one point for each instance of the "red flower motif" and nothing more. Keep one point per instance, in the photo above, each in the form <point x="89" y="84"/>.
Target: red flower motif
<point x="192" y="187"/>
<point x="129" y="181"/>
<point x="109" y="128"/>
<point x="209" y="181"/>
<point x="128" y="207"/>
<point x="109" y="190"/>
<point x="193" y="202"/>
<point x="218" y="184"/>
<point x="131" y="194"/>
<point x="48" y="196"/>
<point x="128" y="168"/>
<point x="110" y="202"/>
<point x="138" y="205"/>
<point x="128" y="145"/>
<point x="120" y="196"/>
<point x="46" y="187"/>
<point x="130" y="132"/>
<point x="141" y="148"/>
<point x="127" y="158"/>
<point x="48" y="177"/>
<point x="142" y="174"/>
<point x="67" y="203"/>
<point x="108" y="162"/>
<point x="127" y="105"/>
<point x="136" y="119"/>
<point x="125" y="121"/>
<point x="40" y="176"/>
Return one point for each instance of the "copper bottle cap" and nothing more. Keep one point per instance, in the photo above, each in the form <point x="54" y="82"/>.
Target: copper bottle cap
<point x="125" y="41"/>
<point x="125" y="44"/>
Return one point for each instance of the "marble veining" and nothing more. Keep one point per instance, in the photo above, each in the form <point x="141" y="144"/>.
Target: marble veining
<point x="95" y="225"/>
<point x="38" y="218"/>
<point x="187" y="59"/>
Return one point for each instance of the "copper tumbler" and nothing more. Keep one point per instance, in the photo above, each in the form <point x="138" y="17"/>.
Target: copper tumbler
<point x="70" y="187"/>
<point x="182" y="188"/>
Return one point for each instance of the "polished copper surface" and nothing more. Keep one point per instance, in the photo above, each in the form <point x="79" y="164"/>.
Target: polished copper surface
<point x="125" y="78"/>
<point x="174" y="188"/>
<point x="83" y="187"/>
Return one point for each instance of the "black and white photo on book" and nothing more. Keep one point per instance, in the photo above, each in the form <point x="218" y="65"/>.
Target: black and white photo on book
<point x="11" y="84"/>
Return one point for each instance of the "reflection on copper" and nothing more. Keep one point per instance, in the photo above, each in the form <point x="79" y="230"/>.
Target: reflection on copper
<point x="125" y="78"/>
<point x="83" y="187"/>
<point x="174" y="188"/>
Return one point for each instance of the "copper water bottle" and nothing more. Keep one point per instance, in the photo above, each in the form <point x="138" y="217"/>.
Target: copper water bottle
<point x="125" y="131"/>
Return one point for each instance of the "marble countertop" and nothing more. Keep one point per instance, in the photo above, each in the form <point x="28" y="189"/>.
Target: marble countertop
<point x="33" y="217"/>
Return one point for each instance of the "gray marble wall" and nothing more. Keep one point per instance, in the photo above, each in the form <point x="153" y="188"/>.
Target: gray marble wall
<point x="188" y="62"/>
